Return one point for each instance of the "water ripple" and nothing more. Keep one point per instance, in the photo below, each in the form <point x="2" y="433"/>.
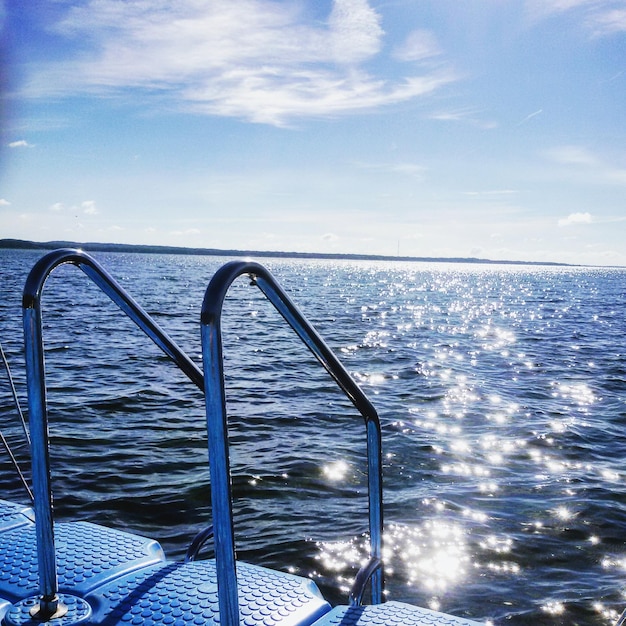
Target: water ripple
<point x="501" y="395"/>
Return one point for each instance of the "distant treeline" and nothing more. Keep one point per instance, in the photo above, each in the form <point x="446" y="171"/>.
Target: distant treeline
<point x="123" y="247"/>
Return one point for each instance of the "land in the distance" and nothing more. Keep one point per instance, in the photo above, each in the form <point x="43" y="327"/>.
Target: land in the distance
<point x="147" y="249"/>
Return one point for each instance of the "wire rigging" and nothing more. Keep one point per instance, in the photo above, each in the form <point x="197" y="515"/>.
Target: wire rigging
<point x="3" y="439"/>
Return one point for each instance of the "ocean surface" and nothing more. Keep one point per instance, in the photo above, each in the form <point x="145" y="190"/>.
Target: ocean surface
<point x="501" y="392"/>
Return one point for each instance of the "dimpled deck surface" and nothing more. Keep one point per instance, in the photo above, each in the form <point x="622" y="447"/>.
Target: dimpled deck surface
<point x="390" y="614"/>
<point x="87" y="556"/>
<point x="12" y="515"/>
<point x="178" y="594"/>
<point x="125" y="581"/>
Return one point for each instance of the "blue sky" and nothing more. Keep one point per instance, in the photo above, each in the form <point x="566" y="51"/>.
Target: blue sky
<point x="439" y="128"/>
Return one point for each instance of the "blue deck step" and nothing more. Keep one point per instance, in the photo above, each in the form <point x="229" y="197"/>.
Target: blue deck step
<point x="88" y="556"/>
<point x="124" y="579"/>
<point x="12" y="515"/>
<point x="186" y="593"/>
<point x="390" y="614"/>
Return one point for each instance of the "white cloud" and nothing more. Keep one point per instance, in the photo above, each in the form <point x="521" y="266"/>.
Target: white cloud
<point x="468" y="116"/>
<point x="4" y="202"/>
<point x="542" y="8"/>
<point x="572" y="155"/>
<point x="355" y="32"/>
<point x="271" y="99"/>
<point x="88" y="207"/>
<point x="596" y="170"/>
<point x="254" y="59"/>
<point x="419" y="45"/>
<point x="576" y="218"/>
<point x="410" y="169"/>
<point x="600" y="17"/>
<point x="22" y="143"/>
<point x="611" y="22"/>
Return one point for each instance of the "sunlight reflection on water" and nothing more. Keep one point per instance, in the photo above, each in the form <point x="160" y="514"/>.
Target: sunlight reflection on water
<point x="335" y="471"/>
<point x="433" y="556"/>
<point x="500" y="391"/>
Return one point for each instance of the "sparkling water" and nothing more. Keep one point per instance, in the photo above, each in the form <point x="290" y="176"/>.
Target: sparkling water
<point x="502" y="396"/>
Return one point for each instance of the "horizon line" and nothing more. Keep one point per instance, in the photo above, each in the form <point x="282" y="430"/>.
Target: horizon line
<point x="24" y="244"/>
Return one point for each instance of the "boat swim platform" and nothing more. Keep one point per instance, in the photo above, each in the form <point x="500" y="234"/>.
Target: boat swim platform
<point x="109" y="577"/>
<point x="69" y="573"/>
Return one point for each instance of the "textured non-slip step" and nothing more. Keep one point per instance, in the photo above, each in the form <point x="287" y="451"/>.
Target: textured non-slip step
<point x="390" y="614"/>
<point x="186" y="593"/>
<point x="12" y="515"/>
<point x="87" y="555"/>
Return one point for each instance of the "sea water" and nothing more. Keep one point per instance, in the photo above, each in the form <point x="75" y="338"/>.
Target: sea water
<point x="502" y="396"/>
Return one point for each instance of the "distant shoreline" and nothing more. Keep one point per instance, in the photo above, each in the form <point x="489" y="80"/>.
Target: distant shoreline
<point x="21" y="244"/>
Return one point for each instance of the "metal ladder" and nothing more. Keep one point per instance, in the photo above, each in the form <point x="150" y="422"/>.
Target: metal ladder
<point x="49" y="605"/>
<point x="208" y="588"/>
<point x="212" y="359"/>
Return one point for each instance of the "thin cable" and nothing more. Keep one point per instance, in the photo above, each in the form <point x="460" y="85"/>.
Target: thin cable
<point x="5" y="443"/>
<point x="15" y="398"/>
<point x="16" y="465"/>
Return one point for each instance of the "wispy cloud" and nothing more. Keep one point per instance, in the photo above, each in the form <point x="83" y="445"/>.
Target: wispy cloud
<point x="610" y="22"/>
<point x="541" y="8"/>
<point x="530" y="117"/>
<point x="576" y="218"/>
<point x="4" y="202"/>
<point x="419" y="45"/>
<point x="585" y="162"/>
<point x="88" y="207"/>
<point x="259" y="60"/>
<point x="467" y="116"/>
<point x="414" y="170"/>
<point x="21" y="143"/>
<point x="188" y="232"/>
<point x="600" y="17"/>
<point x="572" y="155"/>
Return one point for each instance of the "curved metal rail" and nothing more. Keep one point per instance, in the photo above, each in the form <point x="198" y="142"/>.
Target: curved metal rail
<point x="35" y="370"/>
<point x="218" y="429"/>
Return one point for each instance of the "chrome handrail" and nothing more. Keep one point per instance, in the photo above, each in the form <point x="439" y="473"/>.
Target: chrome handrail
<point x="217" y="424"/>
<point x="38" y="417"/>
